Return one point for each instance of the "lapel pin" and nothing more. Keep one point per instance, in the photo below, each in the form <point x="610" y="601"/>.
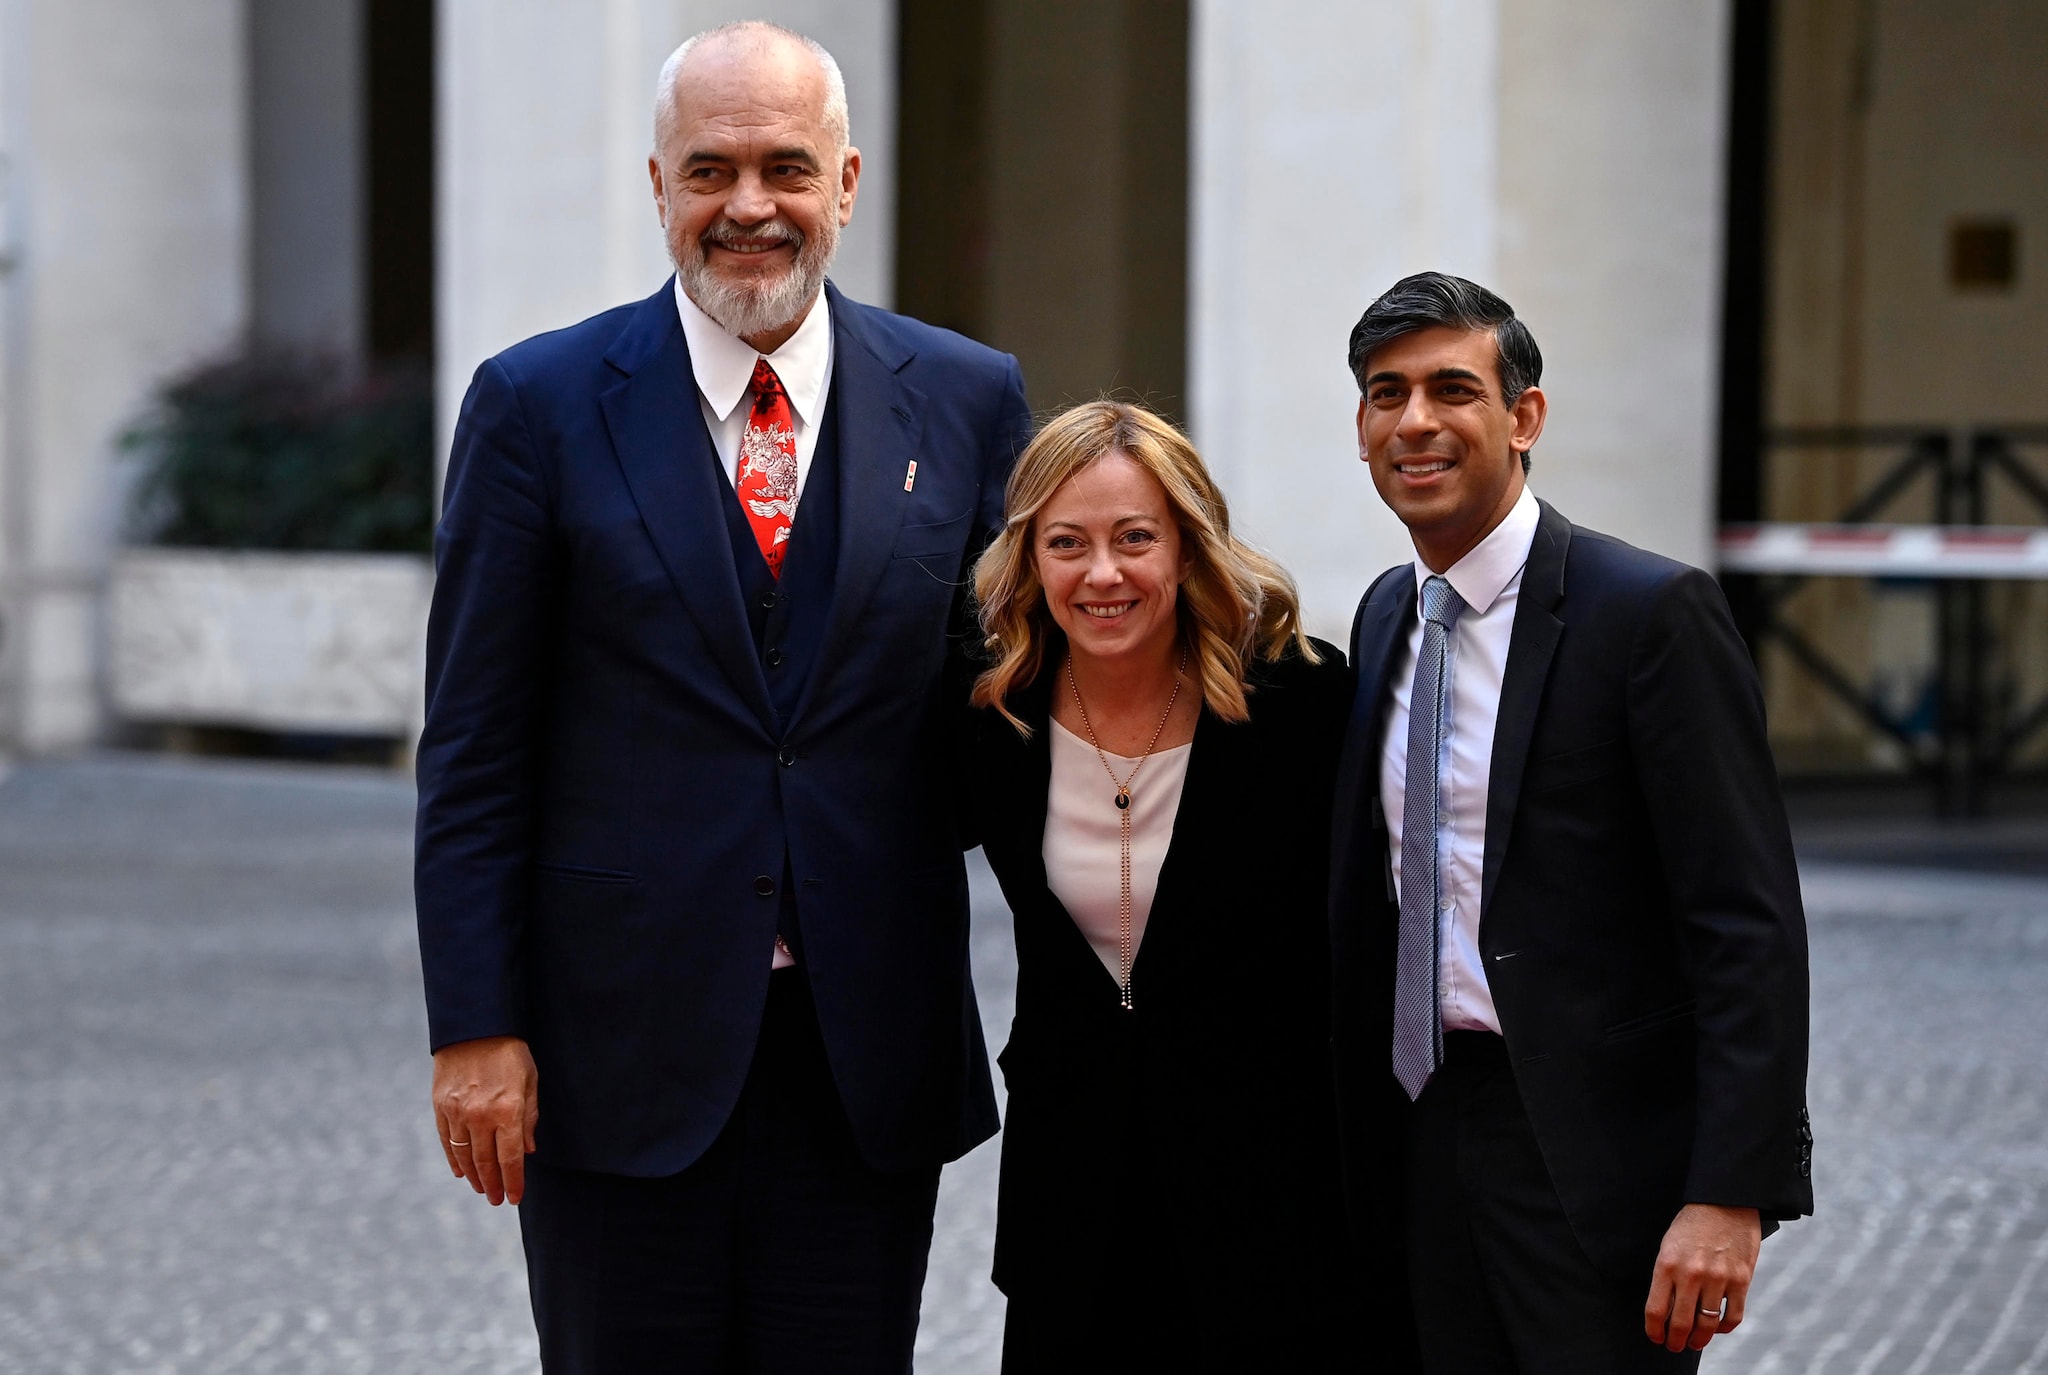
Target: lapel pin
<point x="910" y="476"/>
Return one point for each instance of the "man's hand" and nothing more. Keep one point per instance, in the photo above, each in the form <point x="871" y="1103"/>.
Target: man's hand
<point x="486" y="1100"/>
<point x="1709" y="1254"/>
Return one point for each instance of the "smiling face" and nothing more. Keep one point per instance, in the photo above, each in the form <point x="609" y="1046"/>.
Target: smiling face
<point x="1108" y="554"/>
<point x="1446" y="453"/>
<point x="752" y="184"/>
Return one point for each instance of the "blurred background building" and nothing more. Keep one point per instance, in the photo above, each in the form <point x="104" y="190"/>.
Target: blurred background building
<point x="1772" y="250"/>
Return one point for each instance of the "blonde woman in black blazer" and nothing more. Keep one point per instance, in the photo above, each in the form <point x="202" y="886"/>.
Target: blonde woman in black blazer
<point x="1169" y="1194"/>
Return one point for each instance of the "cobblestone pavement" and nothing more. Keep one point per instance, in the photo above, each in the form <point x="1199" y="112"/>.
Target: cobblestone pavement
<point x="1928" y="1250"/>
<point x="215" y="1154"/>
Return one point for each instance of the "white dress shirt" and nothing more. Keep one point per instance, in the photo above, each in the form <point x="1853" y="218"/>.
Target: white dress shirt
<point x="724" y="366"/>
<point x="1083" y="847"/>
<point x="1489" y="580"/>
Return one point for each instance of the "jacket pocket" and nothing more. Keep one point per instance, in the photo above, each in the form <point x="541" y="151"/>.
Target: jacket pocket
<point x="1584" y="765"/>
<point x="584" y="873"/>
<point x="1650" y="1021"/>
<point x="938" y="539"/>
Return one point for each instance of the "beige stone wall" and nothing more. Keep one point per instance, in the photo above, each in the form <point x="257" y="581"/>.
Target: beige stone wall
<point x="1893" y="119"/>
<point x="1086" y="190"/>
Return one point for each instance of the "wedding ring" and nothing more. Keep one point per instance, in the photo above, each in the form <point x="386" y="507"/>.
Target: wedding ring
<point x="1717" y="1314"/>
<point x="454" y="1142"/>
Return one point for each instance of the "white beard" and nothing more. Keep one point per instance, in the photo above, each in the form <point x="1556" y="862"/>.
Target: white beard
<point x="746" y="308"/>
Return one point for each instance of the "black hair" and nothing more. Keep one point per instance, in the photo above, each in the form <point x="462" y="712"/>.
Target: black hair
<point x="1431" y="299"/>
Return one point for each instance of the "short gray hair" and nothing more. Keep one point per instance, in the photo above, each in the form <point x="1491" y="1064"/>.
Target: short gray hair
<point x="837" y="123"/>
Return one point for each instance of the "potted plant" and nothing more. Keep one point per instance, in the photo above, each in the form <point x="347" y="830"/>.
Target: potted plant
<point x="278" y="576"/>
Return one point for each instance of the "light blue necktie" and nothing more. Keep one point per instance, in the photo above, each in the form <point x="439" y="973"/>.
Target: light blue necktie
<point x="1418" y="1025"/>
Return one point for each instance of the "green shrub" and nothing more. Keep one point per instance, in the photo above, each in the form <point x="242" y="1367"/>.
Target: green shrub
<point x="287" y="453"/>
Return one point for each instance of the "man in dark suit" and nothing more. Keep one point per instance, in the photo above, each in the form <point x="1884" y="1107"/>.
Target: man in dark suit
<point x="692" y="912"/>
<point x="1565" y="911"/>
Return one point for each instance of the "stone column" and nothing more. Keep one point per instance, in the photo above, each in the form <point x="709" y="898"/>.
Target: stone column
<point x="126" y="190"/>
<point x="1565" y="152"/>
<point x="1614" y="117"/>
<point x="546" y="116"/>
<point x="1329" y="161"/>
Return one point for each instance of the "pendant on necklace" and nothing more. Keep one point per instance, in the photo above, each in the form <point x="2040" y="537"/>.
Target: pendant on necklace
<point x="1123" y="799"/>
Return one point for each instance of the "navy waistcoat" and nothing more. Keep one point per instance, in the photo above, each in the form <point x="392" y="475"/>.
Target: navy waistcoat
<point x="788" y="615"/>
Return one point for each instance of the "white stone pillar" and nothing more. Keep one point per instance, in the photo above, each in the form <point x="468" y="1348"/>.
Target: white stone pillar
<point x="126" y="188"/>
<point x="1566" y="153"/>
<point x="1614" y="118"/>
<point x="546" y="115"/>
<point x="1330" y="159"/>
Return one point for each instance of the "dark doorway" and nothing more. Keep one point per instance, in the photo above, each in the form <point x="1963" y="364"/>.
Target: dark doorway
<point x="1740" y="493"/>
<point x="1043" y="202"/>
<point x="400" y="52"/>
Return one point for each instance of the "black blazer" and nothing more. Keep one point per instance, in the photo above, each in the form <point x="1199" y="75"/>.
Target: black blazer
<point x="1196" y="1131"/>
<point x="621" y="798"/>
<point x="1640" y="914"/>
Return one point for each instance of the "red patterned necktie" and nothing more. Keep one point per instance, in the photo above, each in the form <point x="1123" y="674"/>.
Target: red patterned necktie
<point x="767" y="476"/>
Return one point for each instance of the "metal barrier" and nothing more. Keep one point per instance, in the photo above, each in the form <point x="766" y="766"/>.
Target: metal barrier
<point x="1974" y="737"/>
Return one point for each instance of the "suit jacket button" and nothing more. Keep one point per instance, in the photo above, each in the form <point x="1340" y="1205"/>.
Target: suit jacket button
<point x="785" y="757"/>
<point x="768" y="600"/>
<point x="765" y="886"/>
<point x="775" y="658"/>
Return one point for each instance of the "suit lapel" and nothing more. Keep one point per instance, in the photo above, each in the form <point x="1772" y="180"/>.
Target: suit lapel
<point x="880" y="419"/>
<point x="1215" y="759"/>
<point x="1531" y="645"/>
<point x="658" y="433"/>
<point x="1387" y="613"/>
<point x="1019" y="775"/>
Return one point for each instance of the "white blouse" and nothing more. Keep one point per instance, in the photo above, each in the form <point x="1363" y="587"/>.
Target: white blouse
<point x="1083" y="836"/>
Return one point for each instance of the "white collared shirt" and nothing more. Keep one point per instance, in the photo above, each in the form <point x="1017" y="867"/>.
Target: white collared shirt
<point x="724" y="367"/>
<point x="1489" y="580"/>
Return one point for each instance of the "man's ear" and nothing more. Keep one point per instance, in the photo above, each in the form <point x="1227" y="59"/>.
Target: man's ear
<point x="1529" y="410"/>
<point x="660" y="193"/>
<point x="849" y="184"/>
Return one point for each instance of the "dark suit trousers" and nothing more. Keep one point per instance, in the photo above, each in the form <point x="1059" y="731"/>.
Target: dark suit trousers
<point x="778" y="1251"/>
<point x="1501" y="1286"/>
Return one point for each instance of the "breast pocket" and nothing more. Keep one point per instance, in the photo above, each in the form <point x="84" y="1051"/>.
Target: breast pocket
<point x="939" y="539"/>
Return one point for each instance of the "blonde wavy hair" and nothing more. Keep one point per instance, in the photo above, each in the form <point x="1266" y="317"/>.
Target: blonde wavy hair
<point x="1234" y="605"/>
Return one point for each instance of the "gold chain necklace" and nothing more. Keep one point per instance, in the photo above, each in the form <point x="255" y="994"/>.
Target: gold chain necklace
<point x="1123" y="808"/>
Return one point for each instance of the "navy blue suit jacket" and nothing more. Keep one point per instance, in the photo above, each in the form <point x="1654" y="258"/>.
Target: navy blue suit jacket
<point x="613" y="810"/>
<point x="1639" y="916"/>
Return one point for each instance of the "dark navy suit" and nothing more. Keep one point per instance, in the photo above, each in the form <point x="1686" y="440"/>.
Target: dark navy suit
<point x="643" y="756"/>
<point x="1644" y="942"/>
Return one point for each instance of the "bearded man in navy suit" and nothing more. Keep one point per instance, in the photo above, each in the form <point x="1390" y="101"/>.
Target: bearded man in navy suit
<point x="692" y="911"/>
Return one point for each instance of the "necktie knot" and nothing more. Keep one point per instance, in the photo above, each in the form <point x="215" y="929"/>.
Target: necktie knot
<point x="1440" y="601"/>
<point x="765" y="385"/>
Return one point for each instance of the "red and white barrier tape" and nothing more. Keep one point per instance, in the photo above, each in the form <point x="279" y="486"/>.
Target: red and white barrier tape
<point x="1887" y="551"/>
